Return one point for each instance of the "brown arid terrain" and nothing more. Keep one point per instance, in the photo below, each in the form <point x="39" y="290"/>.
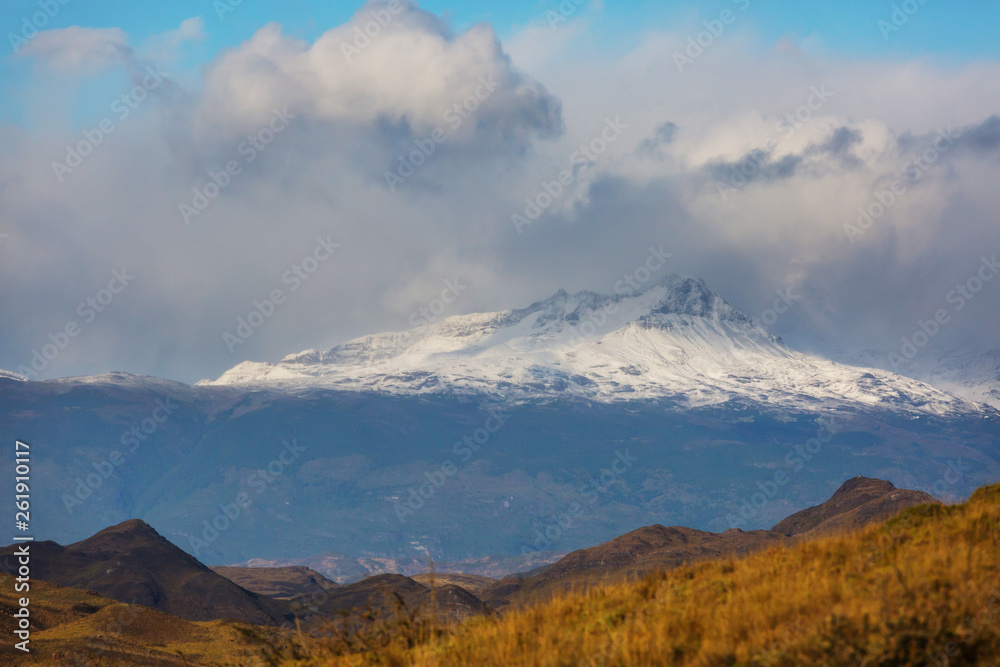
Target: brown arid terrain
<point x="858" y="502"/>
<point x="282" y="583"/>
<point x="922" y="588"/>
<point x="132" y="563"/>
<point x="875" y="572"/>
<point x="344" y="569"/>
<point x="473" y="583"/>
<point x="386" y="597"/>
<point x="72" y="626"/>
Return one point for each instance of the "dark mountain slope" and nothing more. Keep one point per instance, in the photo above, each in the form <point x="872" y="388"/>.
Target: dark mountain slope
<point x="133" y="563"/>
<point x="277" y="582"/>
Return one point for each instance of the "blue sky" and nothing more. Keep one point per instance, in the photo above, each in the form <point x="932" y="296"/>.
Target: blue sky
<point x="956" y="29"/>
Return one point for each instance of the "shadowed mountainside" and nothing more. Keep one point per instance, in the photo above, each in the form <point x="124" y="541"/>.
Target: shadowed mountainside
<point x="132" y="563"/>
<point x="277" y="582"/>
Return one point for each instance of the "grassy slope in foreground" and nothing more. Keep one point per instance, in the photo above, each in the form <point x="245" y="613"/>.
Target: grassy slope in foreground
<point x="71" y="626"/>
<point x="919" y="587"/>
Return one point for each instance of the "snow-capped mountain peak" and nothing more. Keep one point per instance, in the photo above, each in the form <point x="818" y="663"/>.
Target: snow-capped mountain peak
<point x="674" y="339"/>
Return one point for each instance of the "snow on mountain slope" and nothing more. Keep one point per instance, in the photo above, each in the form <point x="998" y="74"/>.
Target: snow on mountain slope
<point x="674" y="340"/>
<point x="972" y="375"/>
<point x="12" y="376"/>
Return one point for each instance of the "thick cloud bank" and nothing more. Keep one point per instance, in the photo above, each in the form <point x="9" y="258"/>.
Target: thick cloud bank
<point x="333" y="187"/>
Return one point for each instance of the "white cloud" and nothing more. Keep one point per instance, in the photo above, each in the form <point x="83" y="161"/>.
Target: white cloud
<point x="82" y="51"/>
<point x="411" y="71"/>
<point x="77" y="50"/>
<point x="165" y="47"/>
<point x="451" y="220"/>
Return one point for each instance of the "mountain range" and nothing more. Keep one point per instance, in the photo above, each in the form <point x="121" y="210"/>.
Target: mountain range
<point x="673" y="339"/>
<point x="134" y="565"/>
<point x="495" y="442"/>
<point x="974" y="376"/>
<point x="857" y="503"/>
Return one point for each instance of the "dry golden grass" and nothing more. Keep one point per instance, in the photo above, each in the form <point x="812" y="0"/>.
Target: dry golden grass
<point x="75" y="627"/>
<point x="920" y="588"/>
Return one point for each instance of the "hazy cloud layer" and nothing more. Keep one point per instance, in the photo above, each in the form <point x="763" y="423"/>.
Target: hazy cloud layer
<point x="414" y="150"/>
<point x="76" y="50"/>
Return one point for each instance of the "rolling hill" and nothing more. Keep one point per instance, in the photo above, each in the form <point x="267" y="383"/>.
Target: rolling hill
<point x="857" y="503"/>
<point x="132" y="563"/>
<point x="922" y="588"/>
<point x="72" y="626"/>
<point x="281" y="583"/>
<point x="844" y="542"/>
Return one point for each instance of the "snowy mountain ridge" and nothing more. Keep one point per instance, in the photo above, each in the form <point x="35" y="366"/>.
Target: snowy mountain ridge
<point x="10" y="375"/>
<point x="974" y="376"/>
<point x="674" y="340"/>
